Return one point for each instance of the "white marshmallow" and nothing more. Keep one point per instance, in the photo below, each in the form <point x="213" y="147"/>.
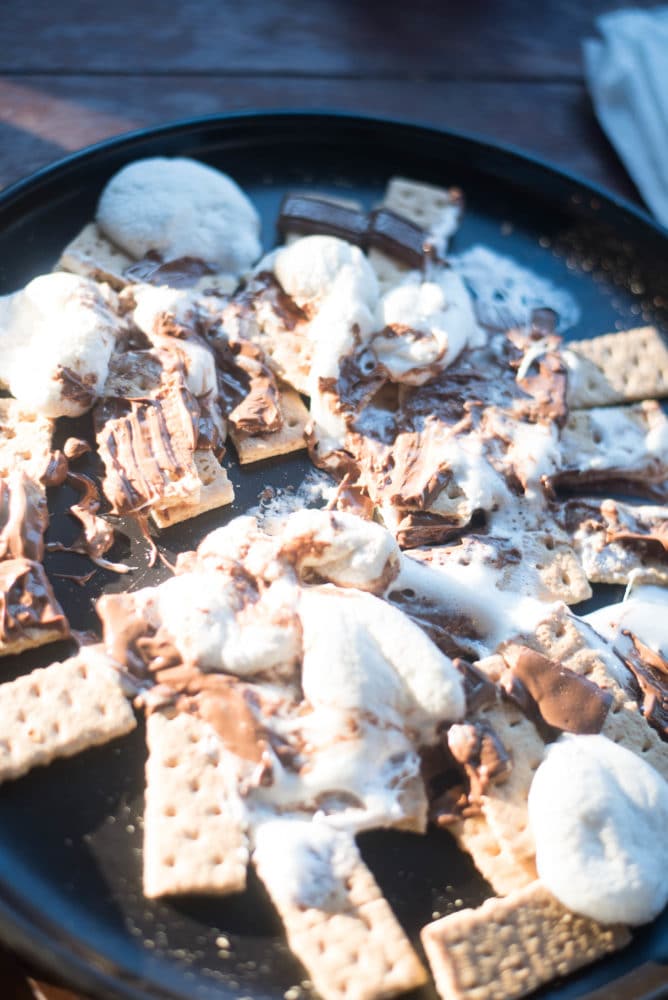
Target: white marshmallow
<point x="308" y="268"/>
<point x="342" y="548"/>
<point x="58" y="321"/>
<point x="439" y="309"/>
<point x="180" y="208"/>
<point x="599" y="816"/>
<point x="361" y="654"/>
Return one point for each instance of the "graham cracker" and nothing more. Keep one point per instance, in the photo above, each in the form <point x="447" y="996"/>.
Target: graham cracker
<point x="291" y="437"/>
<point x="17" y="602"/>
<point x="618" y="368"/>
<point x="288" y="353"/>
<point x="60" y="710"/>
<point x="616" y="542"/>
<point x="92" y="255"/>
<point x="564" y="638"/>
<point x="25" y="440"/>
<point x="194" y="828"/>
<point x="549" y="568"/>
<point x="422" y="204"/>
<point x="495" y="863"/>
<point x="215" y="491"/>
<point x="508" y="947"/>
<point x="356" y="951"/>
<point x="632" y="436"/>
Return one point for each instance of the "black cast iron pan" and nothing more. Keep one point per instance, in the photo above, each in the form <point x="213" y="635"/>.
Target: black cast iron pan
<point x="70" y="834"/>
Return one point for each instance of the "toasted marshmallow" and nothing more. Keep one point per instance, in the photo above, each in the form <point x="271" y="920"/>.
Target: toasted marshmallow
<point x="599" y="816"/>
<point x="341" y="548"/>
<point x="56" y="338"/>
<point x="180" y="208"/>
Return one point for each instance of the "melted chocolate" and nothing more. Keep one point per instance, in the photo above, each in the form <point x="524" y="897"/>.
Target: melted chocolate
<point x="56" y="470"/>
<point x="555" y="698"/>
<point x="247" y="388"/>
<point x="147" y="444"/>
<point x="27" y="601"/>
<point x="651" y="673"/>
<point x="23" y="519"/>
<point x="79" y="389"/>
<point x="479" y="691"/>
<point x="75" y="448"/>
<point x="182" y="272"/>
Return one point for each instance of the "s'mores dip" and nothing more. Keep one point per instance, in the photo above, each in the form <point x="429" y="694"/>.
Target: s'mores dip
<point x="398" y="648"/>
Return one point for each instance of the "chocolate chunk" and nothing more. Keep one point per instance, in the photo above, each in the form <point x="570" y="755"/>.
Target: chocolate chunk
<point x="307" y="214"/>
<point x="56" y="471"/>
<point x="555" y="698"/>
<point x="395" y="236"/>
<point x="481" y="753"/>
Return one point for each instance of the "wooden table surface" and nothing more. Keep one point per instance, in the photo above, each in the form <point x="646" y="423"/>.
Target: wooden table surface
<point x="509" y="70"/>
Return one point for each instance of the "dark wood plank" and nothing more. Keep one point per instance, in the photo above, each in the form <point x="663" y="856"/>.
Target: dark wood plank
<point x="421" y="38"/>
<point x="42" y="119"/>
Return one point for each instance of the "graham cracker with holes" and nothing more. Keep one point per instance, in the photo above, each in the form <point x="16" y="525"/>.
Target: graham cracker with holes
<point x="495" y="862"/>
<point x="30" y="615"/>
<point x="508" y="947"/>
<point x="504" y="805"/>
<point x="575" y="645"/>
<point x="618" y="368"/>
<point x="25" y="440"/>
<point x="194" y="826"/>
<point x="353" y="950"/>
<point x="291" y="437"/>
<point x="215" y="491"/>
<point x="616" y="444"/>
<point x="426" y="206"/>
<point x="548" y="569"/>
<point x="616" y="542"/>
<point x="60" y="710"/>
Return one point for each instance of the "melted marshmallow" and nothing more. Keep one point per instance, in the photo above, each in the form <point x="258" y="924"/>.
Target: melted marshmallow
<point x="58" y="321"/>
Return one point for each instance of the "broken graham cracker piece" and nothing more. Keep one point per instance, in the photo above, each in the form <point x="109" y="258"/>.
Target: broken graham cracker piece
<point x="25" y="440"/>
<point x="436" y="210"/>
<point x="617" y="368"/>
<point x="60" y="710"/>
<point x="346" y="936"/>
<point x="495" y="863"/>
<point x="291" y="436"/>
<point x="30" y="615"/>
<point x="215" y="491"/>
<point x="575" y="645"/>
<point x="508" y="947"/>
<point x="92" y="255"/>
<point x="194" y="832"/>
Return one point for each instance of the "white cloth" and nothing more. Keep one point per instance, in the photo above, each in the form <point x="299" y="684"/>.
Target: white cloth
<point x="627" y="75"/>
